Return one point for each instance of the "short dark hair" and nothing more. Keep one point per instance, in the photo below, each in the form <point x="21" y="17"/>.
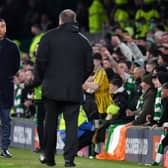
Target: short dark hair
<point x="126" y="62"/>
<point x="97" y="56"/>
<point x="67" y="16"/>
<point x="117" y="81"/>
<point x="2" y="20"/>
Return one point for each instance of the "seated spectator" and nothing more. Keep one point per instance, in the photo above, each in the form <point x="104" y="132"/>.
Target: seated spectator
<point x="120" y="98"/>
<point x="116" y="114"/>
<point x="159" y="79"/>
<point x="138" y="74"/>
<point x="145" y="105"/>
<point x="164" y="124"/>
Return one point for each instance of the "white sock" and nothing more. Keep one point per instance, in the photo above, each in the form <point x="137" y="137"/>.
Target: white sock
<point x="158" y="157"/>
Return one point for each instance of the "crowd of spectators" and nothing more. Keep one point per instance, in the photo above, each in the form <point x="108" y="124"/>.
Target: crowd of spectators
<point x="136" y="69"/>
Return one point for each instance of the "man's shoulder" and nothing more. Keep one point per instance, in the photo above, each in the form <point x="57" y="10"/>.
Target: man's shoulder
<point x="150" y="93"/>
<point x="9" y="42"/>
<point x="52" y="31"/>
<point x="84" y="38"/>
<point x="50" y="34"/>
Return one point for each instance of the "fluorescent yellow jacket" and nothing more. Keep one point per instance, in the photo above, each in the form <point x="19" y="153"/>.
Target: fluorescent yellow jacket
<point x="121" y="16"/>
<point x="33" y="45"/>
<point x="121" y="2"/>
<point x="81" y="119"/>
<point x="97" y="16"/>
<point x="38" y="93"/>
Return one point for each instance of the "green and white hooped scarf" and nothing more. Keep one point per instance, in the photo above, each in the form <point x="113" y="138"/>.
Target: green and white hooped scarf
<point x="158" y="109"/>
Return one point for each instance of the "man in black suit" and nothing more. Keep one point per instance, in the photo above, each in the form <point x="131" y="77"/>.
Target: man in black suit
<point x="9" y="65"/>
<point x="64" y="61"/>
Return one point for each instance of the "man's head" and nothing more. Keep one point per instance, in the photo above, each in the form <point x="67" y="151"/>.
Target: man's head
<point x="97" y="59"/>
<point x="159" y="79"/>
<point x="124" y="66"/>
<point x="165" y="90"/>
<point x="138" y="73"/>
<point x="2" y="28"/>
<point x="67" y="16"/>
<point x="115" y="41"/>
<point x="106" y="63"/>
<point x="151" y="65"/>
<point x="115" y="83"/>
<point x="36" y="29"/>
<point x="146" y="82"/>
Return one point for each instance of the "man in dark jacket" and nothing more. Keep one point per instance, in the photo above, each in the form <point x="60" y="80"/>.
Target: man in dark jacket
<point x="136" y="92"/>
<point x="64" y="61"/>
<point x="145" y="105"/>
<point x="9" y="65"/>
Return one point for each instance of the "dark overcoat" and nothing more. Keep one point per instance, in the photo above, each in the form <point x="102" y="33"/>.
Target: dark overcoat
<point x="64" y="61"/>
<point x="9" y="65"/>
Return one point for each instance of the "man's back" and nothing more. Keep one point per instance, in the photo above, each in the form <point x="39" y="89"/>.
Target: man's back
<point x="67" y="59"/>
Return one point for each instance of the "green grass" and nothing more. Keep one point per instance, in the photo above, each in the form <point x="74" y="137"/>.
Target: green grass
<point x="27" y="159"/>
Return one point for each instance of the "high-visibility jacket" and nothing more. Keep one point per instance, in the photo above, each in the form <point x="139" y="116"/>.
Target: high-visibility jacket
<point x="121" y="2"/>
<point x="147" y="15"/>
<point x="143" y="28"/>
<point x="33" y="45"/>
<point x="121" y="16"/>
<point x="83" y="124"/>
<point x="97" y="16"/>
<point x="38" y="93"/>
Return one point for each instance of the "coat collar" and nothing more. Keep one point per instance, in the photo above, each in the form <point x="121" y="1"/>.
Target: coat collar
<point x="72" y="27"/>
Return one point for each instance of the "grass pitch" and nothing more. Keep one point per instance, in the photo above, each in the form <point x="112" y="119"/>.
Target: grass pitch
<point x="23" y="158"/>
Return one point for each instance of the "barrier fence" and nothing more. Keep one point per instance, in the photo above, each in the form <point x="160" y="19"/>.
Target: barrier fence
<point x="141" y="142"/>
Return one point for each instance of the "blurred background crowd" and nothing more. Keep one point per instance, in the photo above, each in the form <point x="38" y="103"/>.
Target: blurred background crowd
<point x="94" y="16"/>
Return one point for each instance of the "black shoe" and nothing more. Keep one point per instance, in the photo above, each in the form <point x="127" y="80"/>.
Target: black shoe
<point x="6" y="154"/>
<point x="155" y="164"/>
<point x="69" y="164"/>
<point x="43" y="160"/>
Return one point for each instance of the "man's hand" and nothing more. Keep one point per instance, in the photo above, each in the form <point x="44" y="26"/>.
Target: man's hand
<point x="129" y="113"/>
